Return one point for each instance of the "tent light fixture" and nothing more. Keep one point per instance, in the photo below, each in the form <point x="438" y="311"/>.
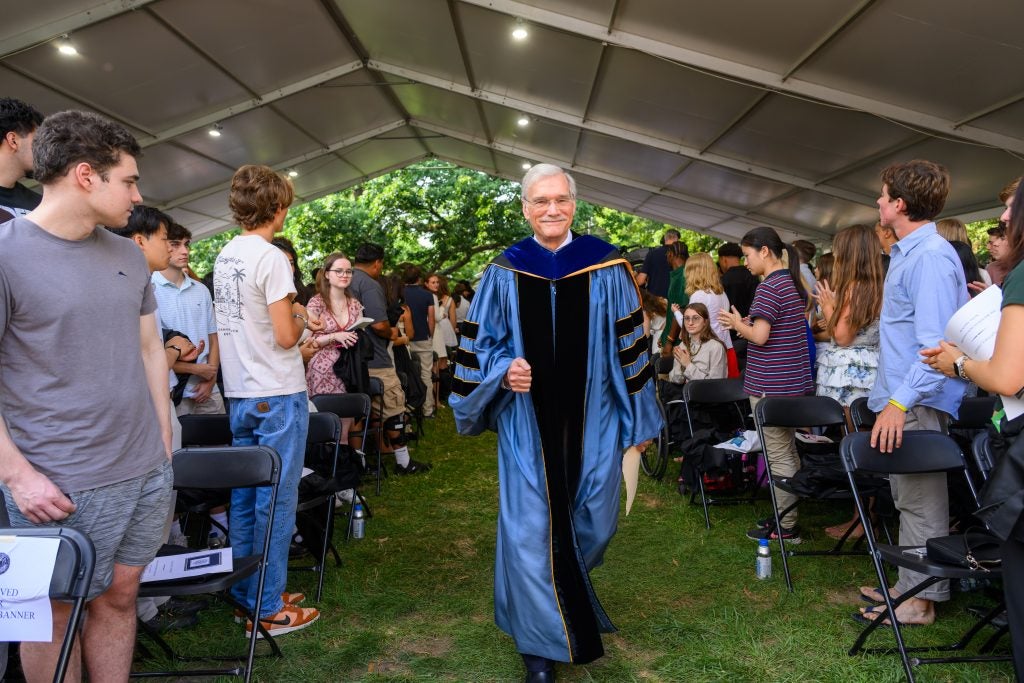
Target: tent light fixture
<point x="519" y="32"/>
<point x="215" y="130"/>
<point x="523" y="121"/>
<point x="65" y="47"/>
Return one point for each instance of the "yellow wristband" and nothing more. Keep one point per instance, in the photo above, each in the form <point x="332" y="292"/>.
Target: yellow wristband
<point x="894" y="402"/>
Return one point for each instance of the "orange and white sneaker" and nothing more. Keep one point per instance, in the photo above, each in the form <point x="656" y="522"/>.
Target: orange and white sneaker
<point x="293" y="598"/>
<point x="290" y="618"/>
<point x="286" y="597"/>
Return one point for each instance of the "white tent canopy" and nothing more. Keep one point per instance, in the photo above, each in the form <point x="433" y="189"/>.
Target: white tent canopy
<point x="714" y="116"/>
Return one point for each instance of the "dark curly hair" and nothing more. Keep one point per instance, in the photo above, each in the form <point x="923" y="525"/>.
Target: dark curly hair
<point x="18" y="117"/>
<point x="74" y="137"/>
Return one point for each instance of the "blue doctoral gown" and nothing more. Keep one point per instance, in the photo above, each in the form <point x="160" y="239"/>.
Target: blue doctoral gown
<point x="575" y="316"/>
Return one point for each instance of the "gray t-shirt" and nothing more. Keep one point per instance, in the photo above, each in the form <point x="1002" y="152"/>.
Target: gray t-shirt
<point x="73" y="388"/>
<point x="370" y="294"/>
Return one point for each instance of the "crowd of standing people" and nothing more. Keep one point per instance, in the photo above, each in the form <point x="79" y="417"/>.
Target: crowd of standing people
<point x="258" y="343"/>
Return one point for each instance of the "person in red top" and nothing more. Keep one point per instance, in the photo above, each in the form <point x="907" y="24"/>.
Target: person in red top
<point x="778" y="358"/>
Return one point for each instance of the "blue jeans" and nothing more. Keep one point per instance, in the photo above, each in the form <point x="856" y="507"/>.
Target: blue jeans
<point x="280" y="422"/>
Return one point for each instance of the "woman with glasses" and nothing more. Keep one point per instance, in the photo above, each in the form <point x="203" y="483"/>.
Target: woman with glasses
<point x="338" y="311"/>
<point x="700" y="354"/>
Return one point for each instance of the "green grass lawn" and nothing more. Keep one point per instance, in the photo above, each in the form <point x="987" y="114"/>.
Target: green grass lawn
<point x="412" y="601"/>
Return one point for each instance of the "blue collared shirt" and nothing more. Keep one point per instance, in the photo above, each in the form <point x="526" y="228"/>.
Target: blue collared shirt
<point x="189" y="310"/>
<point x="923" y="289"/>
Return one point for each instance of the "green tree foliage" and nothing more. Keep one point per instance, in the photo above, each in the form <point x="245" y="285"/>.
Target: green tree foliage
<point x="978" y="232"/>
<point x="442" y="217"/>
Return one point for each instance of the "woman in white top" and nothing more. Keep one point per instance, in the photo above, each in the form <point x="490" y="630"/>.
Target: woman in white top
<point x="704" y="286"/>
<point x="702" y="355"/>
<point x="444" y="314"/>
<point x="444" y="339"/>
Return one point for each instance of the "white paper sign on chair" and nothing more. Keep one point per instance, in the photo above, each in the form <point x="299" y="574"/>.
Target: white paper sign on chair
<point x="26" y="567"/>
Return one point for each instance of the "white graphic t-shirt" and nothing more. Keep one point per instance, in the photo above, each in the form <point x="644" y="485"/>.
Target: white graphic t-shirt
<point x="249" y="274"/>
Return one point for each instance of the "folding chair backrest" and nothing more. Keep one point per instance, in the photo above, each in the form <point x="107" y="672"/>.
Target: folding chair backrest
<point x="708" y="391"/>
<point x="377" y="386"/>
<point x="799" y="411"/>
<point x="76" y="559"/>
<point x="984" y="459"/>
<point x="975" y="413"/>
<point x="324" y="427"/>
<point x="227" y="467"/>
<point x="922" y="451"/>
<point x="355" y="406"/>
<point x="72" y="575"/>
<point x="205" y="430"/>
<point x="862" y="416"/>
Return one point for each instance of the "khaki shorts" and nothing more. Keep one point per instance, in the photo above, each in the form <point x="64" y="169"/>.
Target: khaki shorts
<point x="394" y="397"/>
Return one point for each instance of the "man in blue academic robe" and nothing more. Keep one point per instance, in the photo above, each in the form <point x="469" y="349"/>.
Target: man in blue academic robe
<point x="554" y="358"/>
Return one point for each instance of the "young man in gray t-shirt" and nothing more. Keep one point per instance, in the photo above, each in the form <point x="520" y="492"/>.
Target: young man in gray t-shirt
<point x="85" y="434"/>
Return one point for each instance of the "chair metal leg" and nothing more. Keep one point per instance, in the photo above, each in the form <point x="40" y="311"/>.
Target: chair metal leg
<point x="156" y="638"/>
<point x="778" y="525"/>
<point x="379" y="466"/>
<point x="703" y="500"/>
<point x="67" y="645"/>
<point x="991" y="642"/>
<point x="328" y="528"/>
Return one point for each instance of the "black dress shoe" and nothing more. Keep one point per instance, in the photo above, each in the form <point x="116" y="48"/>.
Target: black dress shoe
<point x="540" y="676"/>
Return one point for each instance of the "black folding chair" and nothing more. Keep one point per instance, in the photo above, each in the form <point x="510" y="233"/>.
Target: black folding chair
<point x="194" y="506"/>
<point x="974" y="416"/>
<point x="374" y="426"/>
<point x="984" y="459"/>
<point x="703" y="394"/>
<point x="72" y="574"/>
<point x="975" y="413"/>
<point x="359" y="408"/>
<point x="222" y="468"/>
<point x="323" y="438"/>
<point x="921" y="452"/>
<point x="793" y="412"/>
<point x="205" y="430"/>
<point x="862" y="416"/>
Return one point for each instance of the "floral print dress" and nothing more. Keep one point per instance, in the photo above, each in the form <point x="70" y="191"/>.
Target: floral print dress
<point x="846" y="373"/>
<point x="320" y="377"/>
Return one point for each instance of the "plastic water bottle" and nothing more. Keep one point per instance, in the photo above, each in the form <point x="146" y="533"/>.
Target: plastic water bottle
<point x="764" y="560"/>
<point x="358" y="521"/>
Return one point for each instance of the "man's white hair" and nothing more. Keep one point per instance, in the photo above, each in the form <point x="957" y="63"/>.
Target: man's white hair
<point x="538" y="171"/>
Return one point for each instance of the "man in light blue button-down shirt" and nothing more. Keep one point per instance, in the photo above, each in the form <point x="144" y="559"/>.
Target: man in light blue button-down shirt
<point x="925" y="285"/>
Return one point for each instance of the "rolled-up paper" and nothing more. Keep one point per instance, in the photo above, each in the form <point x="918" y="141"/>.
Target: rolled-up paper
<point x="630" y="474"/>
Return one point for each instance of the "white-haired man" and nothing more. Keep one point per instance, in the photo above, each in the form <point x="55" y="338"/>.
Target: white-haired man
<point x="554" y="358"/>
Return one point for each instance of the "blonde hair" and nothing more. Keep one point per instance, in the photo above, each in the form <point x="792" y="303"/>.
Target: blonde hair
<point x="953" y="230"/>
<point x="702" y="274"/>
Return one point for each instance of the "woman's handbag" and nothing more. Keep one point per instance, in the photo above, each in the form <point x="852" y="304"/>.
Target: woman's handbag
<point x="976" y="549"/>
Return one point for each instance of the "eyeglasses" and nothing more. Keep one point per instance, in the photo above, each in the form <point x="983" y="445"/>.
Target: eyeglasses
<point x="692" y="318"/>
<point x="342" y="272"/>
<point x="544" y="202"/>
